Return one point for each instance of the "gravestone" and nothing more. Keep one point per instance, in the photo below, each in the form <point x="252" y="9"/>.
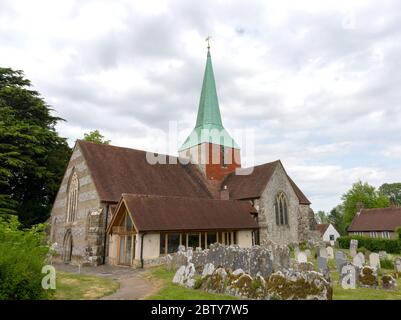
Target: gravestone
<point x="323" y="268"/>
<point x="353" y="246"/>
<point x="348" y="276"/>
<point x="340" y="254"/>
<point x="383" y="255"/>
<point x="388" y="282"/>
<point x="302" y="258"/>
<point x="397" y="265"/>
<point x="330" y="253"/>
<point x="340" y="262"/>
<point x="357" y="261"/>
<point x="296" y="251"/>
<point x="374" y="260"/>
<point x="308" y="253"/>
<point x="323" y="252"/>
<point x="362" y="257"/>
<point x="368" y="277"/>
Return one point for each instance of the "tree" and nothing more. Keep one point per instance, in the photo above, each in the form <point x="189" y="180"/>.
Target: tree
<point x="32" y="155"/>
<point x="336" y="218"/>
<point x="96" y="137"/>
<point x="364" y="193"/>
<point x="392" y="191"/>
<point x="321" y="217"/>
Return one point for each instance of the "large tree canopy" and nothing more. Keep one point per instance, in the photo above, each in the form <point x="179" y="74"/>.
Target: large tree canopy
<point x="96" y="137"/>
<point x="32" y="155"/>
<point x="364" y="193"/>
<point x="392" y="191"/>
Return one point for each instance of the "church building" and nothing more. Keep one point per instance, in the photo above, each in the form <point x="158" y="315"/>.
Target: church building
<point x="115" y="207"/>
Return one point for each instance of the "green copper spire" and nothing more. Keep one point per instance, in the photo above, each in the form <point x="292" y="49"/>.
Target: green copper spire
<point x="209" y="117"/>
<point x="209" y="111"/>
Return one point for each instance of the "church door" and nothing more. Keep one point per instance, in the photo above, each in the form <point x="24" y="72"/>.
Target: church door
<point x="126" y="252"/>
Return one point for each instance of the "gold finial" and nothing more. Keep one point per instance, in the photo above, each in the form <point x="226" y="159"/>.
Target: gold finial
<point x="208" y="42"/>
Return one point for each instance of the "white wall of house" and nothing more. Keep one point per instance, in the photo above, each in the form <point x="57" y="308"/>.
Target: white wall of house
<point x="330" y="234"/>
<point x="244" y="238"/>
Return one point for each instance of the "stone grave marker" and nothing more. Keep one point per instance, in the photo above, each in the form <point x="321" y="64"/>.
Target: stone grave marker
<point x="323" y="252"/>
<point x="308" y="253"/>
<point x="348" y="276"/>
<point x="340" y="262"/>
<point x="397" y="265"/>
<point x="340" y="254"/>
<point x="330" y="253"/>
<point x="362" y="257"/>
<point x="357" y="261"/>
<point x="374" y="260"/>
<point x="353" y="247"/>
<point x="383" y="255"/>
<point x="302" y="258"/>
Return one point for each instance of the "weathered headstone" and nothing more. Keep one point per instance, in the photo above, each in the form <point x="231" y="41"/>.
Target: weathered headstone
<point x="323" y="268"/>
<point x="374" y="260"/>
<point x="362" y="257"/>
<point x="348" y="276"/>
<point x="353" y="247"/>
<point x="208" y="270"/>
<point x="388" y="282"/>
<point x="340" y="261"/>
<point x="302" y="258"/>
<point x="397" y="265"/>
<point x="330" y="253"/>
<point x="357" y="261"/>
<point x="340" y="254"/>
<point x="368" y="277"/>
<point x="323" y="252"/>
<point x="308" y="253"/>
<point x="382" y="255"/>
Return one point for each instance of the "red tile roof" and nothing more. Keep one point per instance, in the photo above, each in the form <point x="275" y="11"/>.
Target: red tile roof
<point x="117" y="170"/>
<point x="160" y="213"/>
<point x="248" y="186"/>
<point x="322" y="227"/>
<point x="380" y="219"/>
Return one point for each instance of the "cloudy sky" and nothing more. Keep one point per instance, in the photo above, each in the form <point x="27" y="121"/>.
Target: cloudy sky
<point x="318" y="82"/>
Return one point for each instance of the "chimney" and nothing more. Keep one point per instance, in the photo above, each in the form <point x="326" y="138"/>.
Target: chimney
<point x="359" y="207"/>
<point x="225" y="193"/>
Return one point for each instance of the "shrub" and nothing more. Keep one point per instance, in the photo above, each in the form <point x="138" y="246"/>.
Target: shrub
<point x="22" y="256"/>
<point x="398" y="232"/>
<point x="386" y="264"/>
<point x="372" y="244"/>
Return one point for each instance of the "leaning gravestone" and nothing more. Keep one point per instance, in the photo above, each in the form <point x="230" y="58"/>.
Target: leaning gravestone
<point x="330" y="253"/>
<point x="397" y="265"/>
<point x="357" y="261"/>
<point x="323" y="268"/>
<point x="374" y="260"/>
<point x="302" y="258"/>
<point x="353" y="246"/>
<point x="340" y="260"/>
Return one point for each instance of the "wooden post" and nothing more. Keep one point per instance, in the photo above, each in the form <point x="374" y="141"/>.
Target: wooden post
<point x="186" y="244"/>
<point x="165" y="243"/>
<point x="205" y="240"/>
<point x="200" y="239"/>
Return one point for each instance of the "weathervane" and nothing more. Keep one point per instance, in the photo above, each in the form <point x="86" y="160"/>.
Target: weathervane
<point x="208" y="42"/>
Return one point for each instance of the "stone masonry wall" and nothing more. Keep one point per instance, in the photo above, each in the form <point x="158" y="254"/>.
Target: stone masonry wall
<point x="269" y="230"/>
<point x="88" y="228"/>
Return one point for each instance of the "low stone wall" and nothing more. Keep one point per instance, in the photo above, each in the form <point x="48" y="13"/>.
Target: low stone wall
<point x="263" y="260"/>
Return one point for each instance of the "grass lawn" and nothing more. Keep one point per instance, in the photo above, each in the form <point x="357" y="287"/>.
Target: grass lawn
<point x="71" y="286"/>
<point x="171" y="291"/>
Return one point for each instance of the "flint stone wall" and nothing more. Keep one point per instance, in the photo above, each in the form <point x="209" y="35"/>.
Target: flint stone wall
<point x="263" y="260"/>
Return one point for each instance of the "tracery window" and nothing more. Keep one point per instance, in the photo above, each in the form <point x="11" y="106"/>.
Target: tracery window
<point x="281" y="209"/>
<point x="72" y="199"/>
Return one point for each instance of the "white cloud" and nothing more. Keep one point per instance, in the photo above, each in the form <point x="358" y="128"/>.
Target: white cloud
<point x="317" y="81"/>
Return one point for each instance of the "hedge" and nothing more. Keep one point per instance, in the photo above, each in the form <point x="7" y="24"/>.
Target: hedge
<point x="372" y="244"/>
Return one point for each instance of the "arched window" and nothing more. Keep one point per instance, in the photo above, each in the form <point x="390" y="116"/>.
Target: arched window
<point x="72" y="199"/>
<point x="281" y="209"/>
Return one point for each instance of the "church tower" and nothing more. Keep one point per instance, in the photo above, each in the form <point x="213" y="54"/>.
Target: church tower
<point x="209" y="145"/>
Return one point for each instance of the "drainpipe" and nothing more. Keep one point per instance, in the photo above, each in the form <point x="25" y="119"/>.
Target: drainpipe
<point x="142" y="236"/>
<point x="105" y="235"/>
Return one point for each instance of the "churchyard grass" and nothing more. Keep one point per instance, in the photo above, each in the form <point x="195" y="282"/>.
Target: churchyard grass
<point x="171" y="291"/>
<point x="71" y="286"/>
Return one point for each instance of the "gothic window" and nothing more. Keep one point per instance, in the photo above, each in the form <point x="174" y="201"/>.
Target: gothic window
<point x="72" y="199"/>
<point x="281" y="209"/>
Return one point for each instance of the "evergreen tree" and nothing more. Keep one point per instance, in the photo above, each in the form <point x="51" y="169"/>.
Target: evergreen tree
<point x="32" y="155"/>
